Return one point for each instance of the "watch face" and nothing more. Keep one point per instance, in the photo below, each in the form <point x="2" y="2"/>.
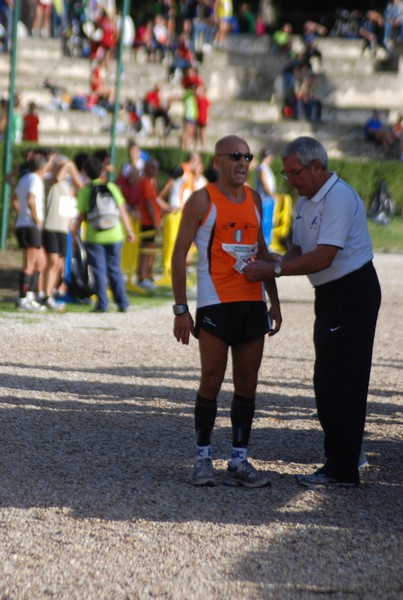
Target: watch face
<point x="179" y="309"/>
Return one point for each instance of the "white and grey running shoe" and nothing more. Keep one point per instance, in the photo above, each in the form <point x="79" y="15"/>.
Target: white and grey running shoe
<point x="54" y="304"/>
<point x="30" y="305"/>
<point x="244" y="474"/>
<point x="203" y="473"/>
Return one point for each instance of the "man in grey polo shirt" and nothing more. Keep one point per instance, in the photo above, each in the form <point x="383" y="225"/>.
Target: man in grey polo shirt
<point x="331" y="245"/>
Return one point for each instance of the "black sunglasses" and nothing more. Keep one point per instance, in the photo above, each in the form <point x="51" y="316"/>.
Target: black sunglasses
<point x="236" y="156"/>
<point x="292" y="174"/>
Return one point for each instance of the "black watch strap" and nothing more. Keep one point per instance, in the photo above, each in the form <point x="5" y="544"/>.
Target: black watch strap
<point x="180" y="309"/>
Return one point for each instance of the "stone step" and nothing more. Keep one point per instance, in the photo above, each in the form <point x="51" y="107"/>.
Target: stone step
<point x="72" y="69"/>
<point x="241" y="82"/>
<point x="222" y="115"/>
<point x="254" y="79"/>
<point x="336" y="130"/>
<point x="250" y="45"/>
<point x="355" y="85"/>
<point x="257" y="139"/>
<point x="262" y="112"/>
<point x="361" y="66"/>
<point x="81" y="122"/>
<point x="258" y="112"/>
<point x="336" y="52"/>
<point x="89" y="129"/>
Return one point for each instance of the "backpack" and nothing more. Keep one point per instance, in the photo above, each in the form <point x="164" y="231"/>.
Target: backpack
<point x="383" y="207"/>
<point x="104" y="212"/>
<point x="82" y="280"/>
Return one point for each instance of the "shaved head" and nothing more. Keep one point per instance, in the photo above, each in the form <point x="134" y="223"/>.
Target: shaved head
<point x="229" y="142"/>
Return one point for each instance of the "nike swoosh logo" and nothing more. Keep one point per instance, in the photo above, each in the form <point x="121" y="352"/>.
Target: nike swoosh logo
<point x="333" y="329"/>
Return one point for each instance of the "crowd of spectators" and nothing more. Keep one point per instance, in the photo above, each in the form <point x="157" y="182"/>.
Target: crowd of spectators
<point x="299" y="89"/>
<point x="51" y="198"/>
<point x="85" y="26"/>
<point x="177" y="34"/>
<point x="47" y="179"/>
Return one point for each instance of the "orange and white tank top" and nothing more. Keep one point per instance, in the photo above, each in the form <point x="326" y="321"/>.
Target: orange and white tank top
<point x="227" y="239"/>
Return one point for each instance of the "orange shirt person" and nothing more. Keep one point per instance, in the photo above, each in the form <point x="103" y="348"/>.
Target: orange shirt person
<point x="224" y="221"/>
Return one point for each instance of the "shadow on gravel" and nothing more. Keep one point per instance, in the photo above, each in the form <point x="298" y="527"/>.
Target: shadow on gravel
<point x="340" y="549"/>
<point x="127" y="454"/>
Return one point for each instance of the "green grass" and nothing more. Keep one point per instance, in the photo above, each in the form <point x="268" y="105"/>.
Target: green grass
<point x="152" y="299"/>
<point x="387" y="238"/>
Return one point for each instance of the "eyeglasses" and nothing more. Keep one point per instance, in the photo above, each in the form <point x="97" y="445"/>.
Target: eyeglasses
<point x="293" y="174"/>
<point x="236" y="156"/>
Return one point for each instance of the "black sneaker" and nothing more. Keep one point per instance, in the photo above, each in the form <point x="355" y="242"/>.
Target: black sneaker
<point x="98" y="309"/>
<point x="318" y="480"/>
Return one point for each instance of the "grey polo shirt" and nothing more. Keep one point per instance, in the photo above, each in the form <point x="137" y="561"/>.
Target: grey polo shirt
<point x="335" y="216"/>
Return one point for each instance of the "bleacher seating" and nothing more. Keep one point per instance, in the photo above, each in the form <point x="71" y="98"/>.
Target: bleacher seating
<point x="242" y="81"/>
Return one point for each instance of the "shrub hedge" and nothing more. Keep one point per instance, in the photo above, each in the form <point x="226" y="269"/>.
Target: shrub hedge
<point x="363" y="175"/>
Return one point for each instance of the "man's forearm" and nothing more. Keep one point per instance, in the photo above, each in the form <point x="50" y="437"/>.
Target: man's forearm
<point x="271" y="288"/>
<point x="179" y="280"/>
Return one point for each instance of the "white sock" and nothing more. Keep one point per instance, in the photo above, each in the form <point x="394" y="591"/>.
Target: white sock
<point x="238" y="455"/>
<point x="203" y="452"/>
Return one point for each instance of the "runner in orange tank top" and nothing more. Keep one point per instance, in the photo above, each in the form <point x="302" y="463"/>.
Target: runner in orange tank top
<point x="224" y="220"/>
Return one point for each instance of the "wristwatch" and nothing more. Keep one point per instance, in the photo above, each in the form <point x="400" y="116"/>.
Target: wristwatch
<point x="180" y="309"/>
<point x="277" y="270"/>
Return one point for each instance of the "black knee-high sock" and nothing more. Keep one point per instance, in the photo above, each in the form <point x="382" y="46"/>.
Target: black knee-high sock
<point x="23" y="284"/>
<point x="205" y="414"/>
<point x="242" y="411"/>
<point x="33" y="283"/>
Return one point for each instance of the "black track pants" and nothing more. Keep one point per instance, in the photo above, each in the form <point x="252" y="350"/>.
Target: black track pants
<point x="346" y="312"/>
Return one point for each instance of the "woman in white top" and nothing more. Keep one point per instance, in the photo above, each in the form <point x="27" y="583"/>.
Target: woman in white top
<point x="29" y="202"/>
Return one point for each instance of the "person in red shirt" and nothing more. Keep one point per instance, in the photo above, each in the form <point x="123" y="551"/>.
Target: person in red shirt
<point x="108" y="39"/>
<point x="184" y="55"/>
<point x="155" y="109"/>
<point x="129" y="184"/>
<point x="99" y="87"/>
<point x="203" y="106"/>
<point x="191" y="78"/>
<point x="31" y="124"/>
<point x="151" y="207"/>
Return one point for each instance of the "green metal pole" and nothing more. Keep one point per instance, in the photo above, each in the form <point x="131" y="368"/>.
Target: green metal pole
<point x="125" y="11"/>
<point x="7" y="158"/>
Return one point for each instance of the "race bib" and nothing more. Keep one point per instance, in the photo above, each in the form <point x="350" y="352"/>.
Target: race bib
<point x="242" y="253"/>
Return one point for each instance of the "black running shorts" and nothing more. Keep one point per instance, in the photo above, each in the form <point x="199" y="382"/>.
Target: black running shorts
<point x="55" y="242"/>
<point x="234" y="322"/>
<point x="29" y="237"/>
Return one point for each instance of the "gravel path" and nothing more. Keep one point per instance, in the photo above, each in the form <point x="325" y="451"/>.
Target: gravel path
<point x="97" y="444"/>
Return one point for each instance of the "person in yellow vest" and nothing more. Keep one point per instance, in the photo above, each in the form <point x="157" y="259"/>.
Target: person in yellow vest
<point x="178" y="190"/>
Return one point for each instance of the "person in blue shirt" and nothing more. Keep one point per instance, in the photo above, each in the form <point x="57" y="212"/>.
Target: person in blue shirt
<point x="266" y="188"/>
<point x="376" y="131"/>
<point x="393" y="15"/>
